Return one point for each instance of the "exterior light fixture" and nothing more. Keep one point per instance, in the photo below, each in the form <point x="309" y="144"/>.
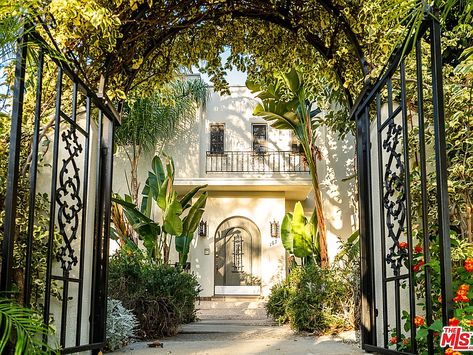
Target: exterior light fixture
<point x="274" y="229"/>
<point x="202" y="228"/>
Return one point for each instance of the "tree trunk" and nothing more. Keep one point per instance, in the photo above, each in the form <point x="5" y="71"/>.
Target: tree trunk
<point x="135" y="185"/>
<point x="318" y="210"/>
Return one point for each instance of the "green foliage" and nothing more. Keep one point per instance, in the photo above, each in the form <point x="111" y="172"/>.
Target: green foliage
<point x="299" y="235"/>
<point x="161" y="297"/>
<point x="121" y="324"/>
<point x="190" y="224"/>
<point x="150" y="120"/>
<point x="23" y="328"/>
<point x="159" y="189"/>
<point x="285" y="105"/>
<point x="462" y="277"/>
<point x="315" y="300"/>
<point x="41" y="225"/>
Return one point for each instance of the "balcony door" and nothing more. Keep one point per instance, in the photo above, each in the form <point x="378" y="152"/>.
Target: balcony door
<point x="237" y="257"/>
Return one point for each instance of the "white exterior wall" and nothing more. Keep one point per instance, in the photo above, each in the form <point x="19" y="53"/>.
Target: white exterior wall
<point x="259" y="197"/>
<point x="261" y="208"/>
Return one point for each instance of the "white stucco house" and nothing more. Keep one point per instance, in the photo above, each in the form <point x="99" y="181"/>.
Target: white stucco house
<point x="255" y="174"/>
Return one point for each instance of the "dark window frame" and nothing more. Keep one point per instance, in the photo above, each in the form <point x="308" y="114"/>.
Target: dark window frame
<point x="217" y="147"/>
<point x="263" y="148"/>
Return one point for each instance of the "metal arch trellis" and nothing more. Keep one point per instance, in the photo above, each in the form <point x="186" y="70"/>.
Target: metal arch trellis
<point x="82" y="155"/>
<point x="387" y="269"/>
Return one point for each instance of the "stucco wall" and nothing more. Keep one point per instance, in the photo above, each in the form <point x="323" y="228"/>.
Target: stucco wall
<point x="260" y="197"/>
<point x="261" y="208"/>
<point x="338" y="196"/>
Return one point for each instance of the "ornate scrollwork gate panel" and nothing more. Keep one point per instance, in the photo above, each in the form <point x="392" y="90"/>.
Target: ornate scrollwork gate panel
<point x="69" y="169"/>
<point x="400" y="142"/>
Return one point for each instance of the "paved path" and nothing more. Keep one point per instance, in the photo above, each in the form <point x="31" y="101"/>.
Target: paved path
<point x="242" y="337"/>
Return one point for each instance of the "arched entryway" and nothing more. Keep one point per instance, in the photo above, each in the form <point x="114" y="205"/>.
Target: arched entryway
<point x="237" y="257"/>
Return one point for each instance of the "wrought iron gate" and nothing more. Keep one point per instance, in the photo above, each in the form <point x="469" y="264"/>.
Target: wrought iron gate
<point x="70" y="167"/>
<point x="394" y="125"/>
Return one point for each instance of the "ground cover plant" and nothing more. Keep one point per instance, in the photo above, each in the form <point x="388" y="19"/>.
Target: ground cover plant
<point x="121" y="324"/>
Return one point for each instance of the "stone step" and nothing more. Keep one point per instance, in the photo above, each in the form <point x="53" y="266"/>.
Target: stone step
<point x="232" y="308"/>
<point x="230" y="304"/>
<point x="232" y="314"/>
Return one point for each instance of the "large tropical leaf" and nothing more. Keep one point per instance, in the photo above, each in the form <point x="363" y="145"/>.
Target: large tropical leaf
<point x="191" y="221"/>
<point x="190" y="224"/>
<point x="293" y="81"/>
<point x="286" y="233"/>
<point x="146" y="228"/>
<point x="172" y="222"/>
<point x="298" y="234"/>
<point x="185" y="201"/>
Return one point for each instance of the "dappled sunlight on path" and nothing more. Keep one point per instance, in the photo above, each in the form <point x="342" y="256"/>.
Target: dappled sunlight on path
<point x="237" y="337"/>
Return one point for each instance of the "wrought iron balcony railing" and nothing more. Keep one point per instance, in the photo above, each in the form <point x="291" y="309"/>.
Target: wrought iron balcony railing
<point x="252" y="162"/>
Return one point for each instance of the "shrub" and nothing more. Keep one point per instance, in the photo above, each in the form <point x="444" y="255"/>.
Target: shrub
<point x="121" y="324"/>
<point x="314" y="299"/>
<point x="162" y="297"/>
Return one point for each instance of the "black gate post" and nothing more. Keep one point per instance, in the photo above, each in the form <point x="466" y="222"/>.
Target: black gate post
<point x="13" y="165"/>
<point x="441" y="166"/>
<point x="363" y="156"/>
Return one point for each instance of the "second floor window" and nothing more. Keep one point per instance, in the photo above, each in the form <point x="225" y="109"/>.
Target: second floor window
<point x="260" y="138"/>
<point x="217" y="138"/>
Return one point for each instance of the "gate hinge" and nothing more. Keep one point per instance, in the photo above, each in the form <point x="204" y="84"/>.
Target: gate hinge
<point x="376" y="312"/>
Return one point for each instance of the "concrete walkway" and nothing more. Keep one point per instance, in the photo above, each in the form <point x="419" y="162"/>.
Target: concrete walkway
<point x="243" y="336"/>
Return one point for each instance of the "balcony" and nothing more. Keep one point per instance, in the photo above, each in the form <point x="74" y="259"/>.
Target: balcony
<point x="253" y="162"/>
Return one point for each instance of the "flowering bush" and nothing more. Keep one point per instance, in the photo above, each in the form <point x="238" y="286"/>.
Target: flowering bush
<point x="462" y="276"/>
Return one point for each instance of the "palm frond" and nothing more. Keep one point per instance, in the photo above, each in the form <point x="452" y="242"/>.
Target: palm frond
<point x="24" y="329"/>
<point x="160" y="117"/>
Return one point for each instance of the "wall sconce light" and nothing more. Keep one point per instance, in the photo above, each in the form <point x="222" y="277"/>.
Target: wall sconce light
<point x="274" y="229"/>
<point x="202" y="228"/>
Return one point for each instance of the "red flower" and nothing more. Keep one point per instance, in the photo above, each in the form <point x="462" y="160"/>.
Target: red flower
<point x="470" y="323"/>
<point x="439" y="299"/>
<point x="461" y="294"/>
<point x="448" y="351"/>
<point x="453" y="322"/>
<point x="405" y="341"/>
<point x="403" y="245"/>
<point x="418" y="321"/>
<point x="461" y="298"/>
<point x="417" y="266"/>
<point x="436" y="334"/>
<point x="469" y="264"/>
<point x="418" y="249"/>
<point x="393" y="340"/>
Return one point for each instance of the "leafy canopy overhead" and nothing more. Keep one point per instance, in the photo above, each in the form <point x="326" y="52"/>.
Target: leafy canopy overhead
<point x="137" y="39"/>
<point x="141" y="44"/>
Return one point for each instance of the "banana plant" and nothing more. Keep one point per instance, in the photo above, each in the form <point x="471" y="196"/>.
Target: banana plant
<point x="190" y="224"/>
<point x="159" y="188"/>
<point x="146" y="228"/>
<point x="285" y="105"/>
<point x="299" y="235"/>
